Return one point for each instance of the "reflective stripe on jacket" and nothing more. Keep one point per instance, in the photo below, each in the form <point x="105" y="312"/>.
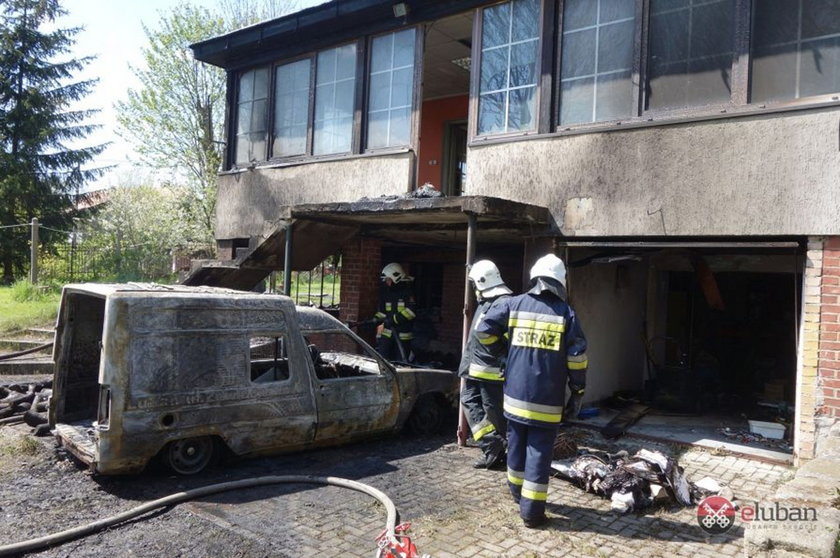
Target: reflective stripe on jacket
<point x="546" y="346"/>
<point x="483" y="361"/>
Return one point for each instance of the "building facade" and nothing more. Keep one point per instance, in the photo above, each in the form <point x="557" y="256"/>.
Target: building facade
<point x="683" y="156"/>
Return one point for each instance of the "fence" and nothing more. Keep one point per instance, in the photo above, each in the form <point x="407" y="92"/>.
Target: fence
<point x="320" y="287"/>
<point x="70" y="263"/>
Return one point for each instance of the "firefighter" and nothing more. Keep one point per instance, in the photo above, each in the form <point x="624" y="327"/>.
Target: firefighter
<point x="547" y="348"/>
<point x="481" y="368"/>
<point x="396" y="313"/>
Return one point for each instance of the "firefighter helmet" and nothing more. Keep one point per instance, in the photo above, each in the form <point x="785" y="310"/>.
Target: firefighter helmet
<point x="394" y="272"/>
<point x="551" y="267"/>
<point x="487" y="280"/>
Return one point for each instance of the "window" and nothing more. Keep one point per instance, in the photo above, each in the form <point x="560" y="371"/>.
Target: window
<point x="251" y="116"/>
<point x="509" y="67"/>
<point x="269" y="359"/>
<point x="391" y="90"/>
<point x="335" y="94"/>
<point x="795" y="49"/>
<point x="291" y="108"/>
<point x="691" y="49"/>
<point x="597" y="50"/>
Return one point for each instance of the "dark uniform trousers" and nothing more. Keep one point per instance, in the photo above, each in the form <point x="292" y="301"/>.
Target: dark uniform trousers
<point x="482" y="402"/>
<point x="529" y="465"/>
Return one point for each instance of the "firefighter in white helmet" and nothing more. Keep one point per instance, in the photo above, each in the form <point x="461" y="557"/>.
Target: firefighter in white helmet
<point x="547" y="348"/>
<point x="481" y="367"/>
<point x="396" y="313"/>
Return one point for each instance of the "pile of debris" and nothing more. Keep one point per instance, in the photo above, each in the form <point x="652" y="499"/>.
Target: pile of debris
<point x="26" y="403"/>
<point x="634" y="482"/>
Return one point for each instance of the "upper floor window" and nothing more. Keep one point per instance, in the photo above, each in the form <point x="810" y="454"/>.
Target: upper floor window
<point x="510" y="38"/>
<point x="691" y="49"/>
<point x="391" y="90"/>
<point x="291" y="108"/>
<point x="596" y="70"/>
<point x="795" y="49"/>
<point x="335" y="94"/>
<point x="251" y="116"/>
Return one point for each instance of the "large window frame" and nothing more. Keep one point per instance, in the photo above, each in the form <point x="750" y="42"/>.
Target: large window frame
<point x="360" y="105"/>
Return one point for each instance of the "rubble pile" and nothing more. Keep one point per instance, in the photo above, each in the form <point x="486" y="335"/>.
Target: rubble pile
<point x="633" y="482"/>
<point x="26" y="403"/>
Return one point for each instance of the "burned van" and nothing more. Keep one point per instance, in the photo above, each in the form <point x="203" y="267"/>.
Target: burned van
<point x="185" y="374"/>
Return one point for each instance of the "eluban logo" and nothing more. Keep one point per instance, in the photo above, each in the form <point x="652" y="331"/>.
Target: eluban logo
<point x="716" y="514"/>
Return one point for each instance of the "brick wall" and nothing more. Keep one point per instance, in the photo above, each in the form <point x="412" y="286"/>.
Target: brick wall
<point x="818" y="389"/>
<point x="829" y="355"/>
<point x="360" y="268"/>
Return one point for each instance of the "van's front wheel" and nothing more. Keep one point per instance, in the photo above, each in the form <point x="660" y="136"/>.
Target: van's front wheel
<point x="191" y="455"/>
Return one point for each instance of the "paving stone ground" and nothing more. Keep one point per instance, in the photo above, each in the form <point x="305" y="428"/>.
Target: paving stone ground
<point x="457" y="511"/>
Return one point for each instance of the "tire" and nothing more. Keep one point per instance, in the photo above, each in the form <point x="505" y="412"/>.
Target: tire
<point x="190" y="456"/>
<point x="428" y="416"/>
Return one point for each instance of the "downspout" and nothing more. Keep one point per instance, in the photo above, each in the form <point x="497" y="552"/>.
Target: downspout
<point x="287" y="262"/>
<point x="463" y="428"/>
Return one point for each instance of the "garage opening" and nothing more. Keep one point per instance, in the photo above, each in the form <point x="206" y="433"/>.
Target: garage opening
<point x="701" y="338"/>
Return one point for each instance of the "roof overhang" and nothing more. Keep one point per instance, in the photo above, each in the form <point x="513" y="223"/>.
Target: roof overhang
<point x="320" y="230"/>
<point x="318" y="27"/>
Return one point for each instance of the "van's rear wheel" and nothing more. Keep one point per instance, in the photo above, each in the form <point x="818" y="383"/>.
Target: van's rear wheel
<point x="191" y="455"/>
<point x="428" y="416"/>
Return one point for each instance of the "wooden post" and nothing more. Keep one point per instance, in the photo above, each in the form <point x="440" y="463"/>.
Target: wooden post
<point x="287" y="263"/>
<point x="33" y="253"/>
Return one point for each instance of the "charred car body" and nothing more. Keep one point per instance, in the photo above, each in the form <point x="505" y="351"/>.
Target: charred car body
<point x="184" y="373"/>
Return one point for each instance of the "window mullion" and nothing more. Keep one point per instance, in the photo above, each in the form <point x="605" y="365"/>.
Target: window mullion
<point x="310" y="122"/>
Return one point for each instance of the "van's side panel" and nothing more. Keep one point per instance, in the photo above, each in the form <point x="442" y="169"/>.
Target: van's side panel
<point x="187" y="374"/>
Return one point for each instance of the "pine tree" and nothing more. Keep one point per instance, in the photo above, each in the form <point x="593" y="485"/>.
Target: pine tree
<point x="40" y="166"/>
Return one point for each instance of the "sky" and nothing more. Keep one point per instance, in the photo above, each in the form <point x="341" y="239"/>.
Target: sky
<point x="113" y="32"/>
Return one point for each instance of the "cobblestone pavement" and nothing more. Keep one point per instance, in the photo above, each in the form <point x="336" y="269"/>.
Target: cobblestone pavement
<point x="456" y="510"/>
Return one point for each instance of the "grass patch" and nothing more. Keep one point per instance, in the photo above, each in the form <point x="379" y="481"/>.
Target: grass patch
<point x="25" y="446"/>
<point x="25" y="305"/>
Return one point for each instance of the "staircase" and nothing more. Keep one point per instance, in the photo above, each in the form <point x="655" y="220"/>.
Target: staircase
<point x="36" y="363"/>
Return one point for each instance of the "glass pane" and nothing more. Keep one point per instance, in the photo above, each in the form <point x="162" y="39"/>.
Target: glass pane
<point x="381" y="53"/>
<point x="526" y="20"/>
<point x="614" y="99"/>
<point x="774" y="22"/>
<point x="291" y="109"/>
<point x="709" y="80"/>
<point x="243" y="118"/>
<point x="576" y="101"/>
<point x="712" y="29"/>
<point x="579" y="13"/>
<point x="494" y="69"/>
<point x="523" y="64"/>
<point x="521" y="114"/>
<point x="404" y="48"/>
<point x="691" y="51"/>
<point x="615" y="46"/>
<point x="242" y="145"/>
<point x="257" y="152"/>
<point x="491" y="113"/>
<point x="578" y="54"/>
<point x="332" y="136"/>
<point x="246" y="87"/>
<point x="259" y="112"/>
<point x="400" y="126"/>
<point x="326" y="66"/>
<point x="290" y="141"/>
<point x="261" y="84"/>
<point x="324" y="102"/>
<point x="773" y="74"/>
<point x="612" y="10"/>
<point x="377" y="130"/>
<point x="820" y="67"/>
<point x="346" y="62"/>
<point x="496" y="26"/>
<point x="380" y="91"/>
<point x="659" y="6"/>
<point x="402" y="87"/>
<point x="344" y="99"/>
<point x="669" y="37"/>
<point x="820" y="18"/>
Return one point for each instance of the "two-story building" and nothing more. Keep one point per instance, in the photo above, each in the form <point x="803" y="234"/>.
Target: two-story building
<point x="683" y="157"/>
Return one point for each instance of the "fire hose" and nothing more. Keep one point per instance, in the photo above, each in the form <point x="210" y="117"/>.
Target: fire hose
<point x="392" y="542"/>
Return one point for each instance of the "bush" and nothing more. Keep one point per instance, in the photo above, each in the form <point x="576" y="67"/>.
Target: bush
<point x="24" y="291"/>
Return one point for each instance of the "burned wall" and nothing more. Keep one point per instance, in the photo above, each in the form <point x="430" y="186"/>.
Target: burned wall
<point x="248" y="200"/>
<point x="759" y="175"/>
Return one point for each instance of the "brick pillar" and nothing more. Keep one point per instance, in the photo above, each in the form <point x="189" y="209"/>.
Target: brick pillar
<point x="818" y="376"/>
<point x="828" y="372"/>
<point x="361" y="263"/>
